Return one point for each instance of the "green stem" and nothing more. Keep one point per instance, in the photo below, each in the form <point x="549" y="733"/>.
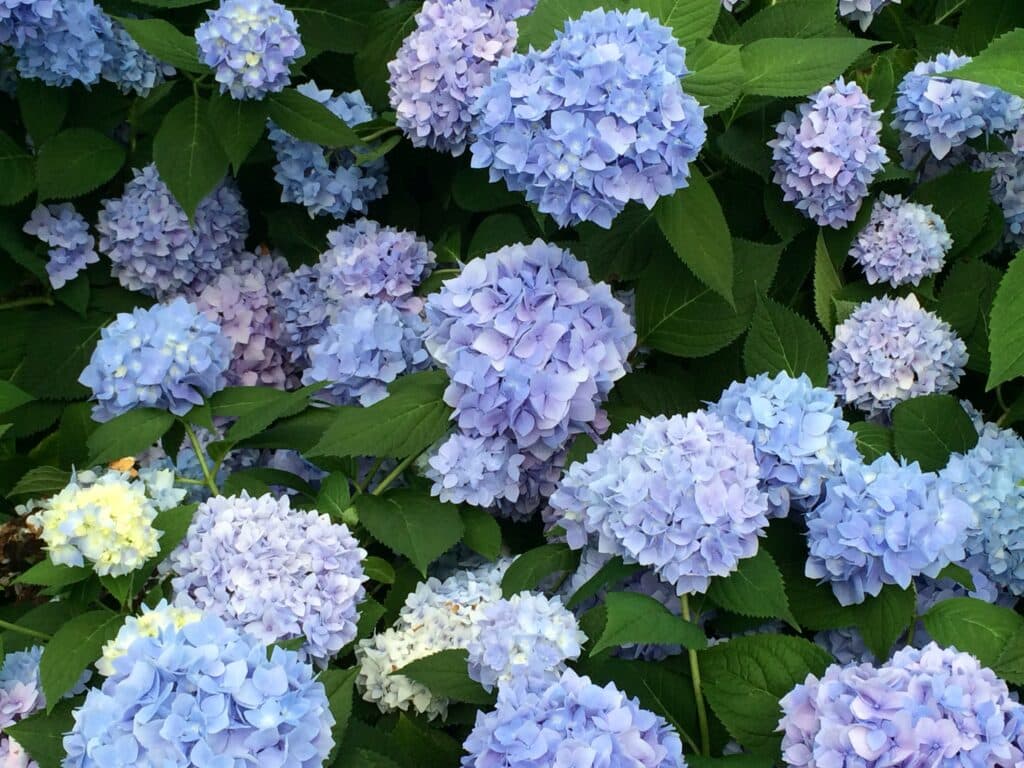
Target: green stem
<point x="698" y="694"/>
<point x="189" y="481"/>
<point x="383" y="486"/>
<point x="361" y="487"/>
<point x="31" y="301"/>
<point x="201" y="457"/>
<point x="23" y="630"/>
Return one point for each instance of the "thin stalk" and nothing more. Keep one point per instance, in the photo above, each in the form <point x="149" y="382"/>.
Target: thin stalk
<point x="361" y="487"/>
<point x="698" y="694"/>
<point x="383" y="486"/>
<point x="23" y="630"/>
<point x="31" y="301"/>
<point x="201" y="457"/>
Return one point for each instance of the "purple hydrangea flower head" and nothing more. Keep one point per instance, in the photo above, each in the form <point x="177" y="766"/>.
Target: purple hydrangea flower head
<point x="678" y="494"/>
<point x="538" y="479"/>
<point x="797" y="431"/>
<point x="524" y="635"/>
<point x="934" y="706"/>
<point x="890" y="350"/>
<point x="1007" y="189"/>
<point x="936" y="113"/>
<point x="846" y="645"/>
<point x="304" y="314"/>
<point x="272" y="571"/>
<point x="863" y="11"/>
<point x="168" y="356"/>
<point x="595" y="120"/>
<point x="570" y="721"/>
<point x="250" y="44"/>
<point x="153" y="247"/>
<point x="129" y="66"/>
<point x="366" y="259"/>
<point x="827" y="153"/>
<point x="884" y="523"/>
<point x="240" y="300"/>
<point x="443" y="66"/>
<point x="367" y="345"/>
<point x="66" y="232"/>
<point x="21" y="693"/>
<point x="205" y="695"/>
<point x="474" y="470"/>
<point x="902" y="242"/>
<point x="328" y="181"/>
<point x="57" y="41"/>
<point x="531" y="344"/>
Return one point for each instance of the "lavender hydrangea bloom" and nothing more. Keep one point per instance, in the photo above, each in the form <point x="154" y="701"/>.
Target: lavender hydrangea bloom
<point x="304" y="313"/>
<point x="890" y="350"/>
<point x="275" y="572"/>
<point x="934" y="707"/>
<point x="846" y="645"/>
<point x="883" y="523"/>
<point x="443" y="67"/>
<point x="863" y="11"/>
<point x="827" y="153"/>
<point x="168" y="356"/>
<point x="57" y="41"/>
<point x="250" y="44"/>
<point x="153" y="247"/>
<point x="525" y="635"/>
<point x="595" y="120"/>
<point x="678" y="494"/>
<point x="936" y="114"/>
<point x="538" y="479"/>
<point x="367" y="345"/>
<point x="1007" y="189"/>
<point x="328" y="181"/>
<point x="368" y="260"/>
<point x="902" y="242"/>
<point x="797" y="431"/>
<point x="570" y="721"/>
<point x="205" y="695"/>
<point x="474" y="470"/>
<point x="20" y="691"/>
<point x="66" y="231"/>
<point x="129" y="66"/>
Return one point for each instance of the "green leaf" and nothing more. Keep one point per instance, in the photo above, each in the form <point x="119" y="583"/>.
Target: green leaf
<point x="973" y="626"/>
<point x="928" y="429"/>
<point x="75" y="162"/>
<point x="999" y="64"/>
<point x="549" y="16"/>
<point x="755" y="589"/>
<point x="74" y="646"/>
<point x="339" y="684"/>
<point x="42" y="734"/>
<point x="623" y="251"/>
<point x="790" y="18"/>
<point x="496" y="231"/>
<point x="613" y="572"/>
<point x="445" y="674"/>
<point x="532" y="567"/>
<point x="688" y="19"/>
<point x="1010" y="664"/>
<point x="128" y="434"/>
<point x="43" y="108"/>
<point x="335" y="498"/>
<point x="17" y="169"/>
<point x="41" y="481"/>
<point x="411" y="523"/>
<point x="693" y="223"/>
<point x="174" y="524"/>
<point x="961" y="198"/>
<point x="256" y="408"/>
<point x="635" y="618"/>
<point x="745" y="677"/>
<point x="238" y="124"/>
<point x="188" y="155"/>
<point x="482" y="533"/>
<point x="422" y="746"/>
<point x="388" y="28"/>
<point x="309" y="120"/>
<point x="965" y="302"/>
<point x="379" y="570"/>
<point x="777" y="66"/>
<point x="826" y="284"/>
<point x="62" y="344"/>
<point x="328" y="25"/>
<point x="716" y="74"/>
<point x="11" y="396"/>
<point x="47" y="574"/>
<point x="472" y="191"/>
<point x="410" y="419"/>
<point x="1006" y="330"/>
<point x="782" y="340"/>
<point x="984" y="20"/>
<point x="873" y="440"/>
<point x="883" y="620"/>
<point x="164" y="41"/>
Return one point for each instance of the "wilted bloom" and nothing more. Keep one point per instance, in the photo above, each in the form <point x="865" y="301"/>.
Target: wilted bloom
<point x="272" y="571"/>
<point x="679" y="494"/>
<point x="593" y="121"/>
<point x="828" y="152"/>
<point x="66" y="232"/>
<point x="204" y="695"/>
<point x="890" y="350"/>
<point x="250" y="45"/>
<point x="1007" y="188"/>
<point x="902" y="242"/>
<point x="168" y="356"/>
<point x="884" y="523"/>
<point x="570" y="721"/>
<point x="155" y="250"/>
<point x="151" y="622"/>
<point x="863" y="11"/>
<point x="797" y="431"/>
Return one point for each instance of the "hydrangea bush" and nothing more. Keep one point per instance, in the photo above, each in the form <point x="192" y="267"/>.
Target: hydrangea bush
<point x="511" y="384"/>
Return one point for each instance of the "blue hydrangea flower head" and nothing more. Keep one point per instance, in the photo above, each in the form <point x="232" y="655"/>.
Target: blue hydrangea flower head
<point x="570" y="721"/>
<point x="128" y="66"/>
<point x="250" y="45"/>
<point x="205" y="695"/>
<point x="936" y="113"/>
<point x="152" y="246"/>
<point x="368" y="260"/>
<point x="902" y="242"/>
<point x="890" y="350"/>
<point x="538" y="479"/>
<point x="275" y="572"/>
<point x="884" y="523"/>
<point x="66" y="232"/>
<point x="846" y="645"/>
<point x="797" y="431"/>
<point x="474" y="470"/>
<point x="21" y="693"/>
<point x="1007" y="189"/>
<point x="367" y="345"/>
<point x="592" y="122"/>
<point x="678" y="494"/>
<point x="934" y="706"/>
<point x="60" y="42"/>
<point x="151" y="622"/>
<point x="168" y="356"/>
<point x="328" y="181"/>
<point x="827" y="153"/>
<point x="304" y="314"/>
<point x="442" y="67"/>
<point x="863" y="11"/>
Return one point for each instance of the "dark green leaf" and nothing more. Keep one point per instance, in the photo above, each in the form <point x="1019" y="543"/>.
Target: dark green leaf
<point x="632" y="618"/>
<point x="174" y="524"/>
<point x="778" y="66"/>
<point x="624" y="250"/>
<point x="328" y="25"/>
<point x="46" y="574"/>
<point x="961" y="198"/>
<point x="873" y="440"/>
<point x="928" y="429"/>
<point x="445" y="674"/>
<point x="716" y="74"/>
<point x="11" y="396"/>
<point x="43" y="108"/>
<point x="74" y="646"/>
<point x="826" y="284"/>
<point x="128" y="434"/>
<point x="973" y="626"/>
<point x="755" y="589"/>
<point x="379" y="570"/>
<point x="782" y="340"/>
<point x="388" y="28"/>
<point x="339" y="684"/>
<point x="238" y="125"/>
<point x="75" y="162"/>
<point x="335" y="498"/>
<point x="17" y="169"/>
<point x="42" y="734"/>
<point x="256" y="408"/>
<point x="1010" y="664"/>
<point x="497" y="231"/>
<point x="472" y="191"/>
<point x="309" y="120"/>
<point x="549" y="16"/>
<point x="883" y="620"/>
<point x="790" y="18"/>
<point x="188" y="155"/>
<point x="165" y="42"/>
<point x="615" y="571"/>
<point x="482" y="533"/>
<point x="411" y="523"/>
<point x="999" y="64"/>
<point x="531" y="568"/>
<point x="41" y="481"/>
<point x="1006" y="331"/>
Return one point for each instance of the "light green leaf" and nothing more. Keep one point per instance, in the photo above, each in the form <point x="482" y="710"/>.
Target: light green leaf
<point x="532" y="567"/>
<point x="188" y="155"/>
<point x="164" y="41"/>
<point x="611" y="573"/>
<point x="789" y="19"/>
<point x="128" y="434"/>
<point x="11" y="396"/>
<point x="973" y="626"/>
<point x="755" y="589"/>
<point x="999" y="64"/>
<point x="74" y="646"/>
<point x="238" y="124"/>
<point x="777" y="66"/>
<point x="873" y="440"/>
<point x="335" y="498"/>
<point x="928" y="429"/>
<point x="411" y="523"/>
<point x="76" y="162"/>
<point x="41" y="481"/>
<point x="309" y="120"/>
<point x="46" y="574"/>
<point x="549" y="16"/>
<point x="17" y="169"/>
<point x="716" y="74"/>
<point x="782" y="340"/>
<point x="632" y="618"/>
<point x="445" y="674"/>
<point x="688" y="19"/>
<point x="1006" y="329"/>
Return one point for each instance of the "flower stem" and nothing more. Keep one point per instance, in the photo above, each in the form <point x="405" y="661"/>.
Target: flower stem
<point x="30" y="301"/>
<point x="698" y="694"/>
<point x="200" y="457"/>
<point x="383" y="486"/>
<point x="23" y="630"/>
<point x="361" y="487"/>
